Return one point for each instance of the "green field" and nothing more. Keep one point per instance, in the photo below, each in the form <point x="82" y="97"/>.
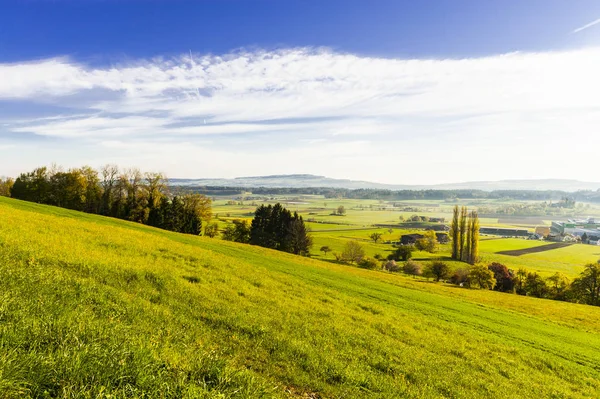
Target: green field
<point x="94" y="307"/>
<point x="361" y="216"/>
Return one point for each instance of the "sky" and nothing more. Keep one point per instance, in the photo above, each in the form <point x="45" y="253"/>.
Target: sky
<point x="398" y="92"/>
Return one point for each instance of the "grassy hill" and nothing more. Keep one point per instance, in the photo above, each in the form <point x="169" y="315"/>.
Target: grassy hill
<point x="92" y="307"/>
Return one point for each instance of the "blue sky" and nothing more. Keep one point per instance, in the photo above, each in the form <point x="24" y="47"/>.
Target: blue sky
<point x="231" y="88"/>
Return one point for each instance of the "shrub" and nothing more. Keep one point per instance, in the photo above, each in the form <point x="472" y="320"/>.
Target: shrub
<point x="391" y="266"/>
<point x="368" y="263"/>
<point x="412" y="268"/>
<point x="460" y="277"/>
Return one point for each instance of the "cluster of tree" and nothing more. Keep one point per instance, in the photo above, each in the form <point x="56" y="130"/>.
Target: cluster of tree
<point x="129" y="195"/>
<point x="465" y="235"/>
<point x="5" y="186"/>
<point x="273" y="227"/>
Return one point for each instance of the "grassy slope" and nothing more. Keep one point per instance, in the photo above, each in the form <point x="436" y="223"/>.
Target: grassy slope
<point x="91" y="306"/>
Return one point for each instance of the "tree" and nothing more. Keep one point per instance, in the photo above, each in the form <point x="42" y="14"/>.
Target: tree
<point x="325" y="249"/>
<point x="299" y="242"/>
<point x="584" y="238"/>
<point x="558" y="286"/>
<point x="438" y="269"/>
<point x="535" y="285"/>
<point x="462" y="231"/>
<point x="403" y="252"/>
<point x="212" y="230"/>
<point x="109" y="175"/>
<point x="428" y="243"/>
<point x="6" y="186"/>
<point x="586" y="287"/>
<point x="455" y="233"/>
<point x="375" y="237"/>
<point x="481" y="277"/>
<point x="275" y="227"/>
<point x="412" y="268"/>
<point x="353" y="252"/>
<point x="474" y="238"/>
<point x="238" y="231"/>
<point x="341" y="210"/>
<point x="503" y="276"/>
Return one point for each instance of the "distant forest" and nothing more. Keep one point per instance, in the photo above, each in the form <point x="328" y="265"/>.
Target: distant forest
<point x="526" y="195"/>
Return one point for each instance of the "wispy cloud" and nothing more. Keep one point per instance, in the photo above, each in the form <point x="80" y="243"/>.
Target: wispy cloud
<point x="311" y="110"/>
<point x="584" y="27"/>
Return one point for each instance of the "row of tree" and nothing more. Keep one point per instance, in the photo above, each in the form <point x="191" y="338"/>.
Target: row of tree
<point x="273" y="227"/>
<point x="465" y="235"/>
<point x="130" y="195"/>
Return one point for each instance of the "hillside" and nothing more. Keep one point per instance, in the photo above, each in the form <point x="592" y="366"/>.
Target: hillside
<point x="307" y="180"/>
<point x="93" y="307"/>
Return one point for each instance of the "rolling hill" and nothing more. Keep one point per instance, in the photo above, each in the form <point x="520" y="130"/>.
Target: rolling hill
<point x="307" y="180"/>
<point x="97" y="307"/>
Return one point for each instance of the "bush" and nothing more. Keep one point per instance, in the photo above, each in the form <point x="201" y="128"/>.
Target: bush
<point x="460" y="277"/>
<point x="391" y="266"/>
<point x="403" y="253"/>
<point x="368" y="263"/>
<point x="412" y="268"/>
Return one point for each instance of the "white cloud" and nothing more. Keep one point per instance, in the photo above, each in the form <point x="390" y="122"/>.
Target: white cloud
<point x="317" y="111"/>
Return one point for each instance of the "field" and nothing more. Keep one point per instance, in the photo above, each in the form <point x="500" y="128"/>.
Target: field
<point x="96" y="307"/>
<point x="362" y="216"/>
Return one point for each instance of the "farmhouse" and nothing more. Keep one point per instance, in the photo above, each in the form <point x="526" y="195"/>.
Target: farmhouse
<point x="504" y="232"/>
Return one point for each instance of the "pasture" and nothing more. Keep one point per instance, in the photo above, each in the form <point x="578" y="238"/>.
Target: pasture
<point x="361" y="216"/>
<point x="98" y="307"/>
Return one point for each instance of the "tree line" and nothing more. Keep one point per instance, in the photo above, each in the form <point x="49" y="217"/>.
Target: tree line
<point x="384" y="194"/>
<point x="273" y="226"/>
<point x="130" y="195"/>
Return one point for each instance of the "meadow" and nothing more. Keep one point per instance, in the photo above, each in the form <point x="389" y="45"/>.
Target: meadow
<point x="94" y="307"/>
<point x="363" y="216"/>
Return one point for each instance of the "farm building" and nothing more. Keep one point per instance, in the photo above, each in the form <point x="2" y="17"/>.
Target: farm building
<point x="442" y="238"/>
<point x="410" y="239"/>
<point x="573" y="226"/>
<point x="543" y="231"/>
<point x="497" y="231"/>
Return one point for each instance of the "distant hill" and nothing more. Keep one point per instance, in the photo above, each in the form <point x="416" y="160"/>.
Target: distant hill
<point x="307" y="180"/>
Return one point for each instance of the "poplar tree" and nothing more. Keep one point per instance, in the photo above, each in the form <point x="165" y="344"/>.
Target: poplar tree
<point x="474" y="238"/>
<point x="466" y="257"/>
<point x="463" y="232"/>
<point x="455" y="233"/>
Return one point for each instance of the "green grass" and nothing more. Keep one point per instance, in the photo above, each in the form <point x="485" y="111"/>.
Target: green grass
<point x="96" y="307"/>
